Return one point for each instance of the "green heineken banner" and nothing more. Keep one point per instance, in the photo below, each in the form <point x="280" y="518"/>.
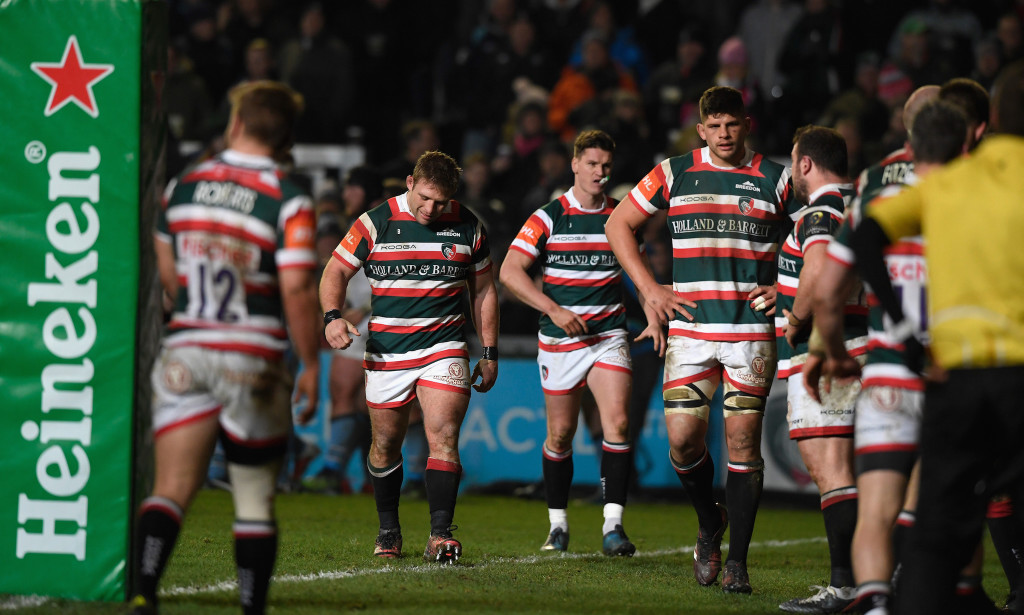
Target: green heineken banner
<point x="73" y="78"/>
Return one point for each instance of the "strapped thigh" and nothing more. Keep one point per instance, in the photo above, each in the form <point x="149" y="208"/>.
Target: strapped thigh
<point x="737" y="401"/>
<point x="693" y="398"/>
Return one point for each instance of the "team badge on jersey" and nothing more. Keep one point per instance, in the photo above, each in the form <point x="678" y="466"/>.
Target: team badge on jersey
<point x="746" y="204"/>
<point x="448" y="250"/>
<point x="455" y="370"/>
<point x="544" y="372"/>
<point x="177" y="377"/>
<point x="758" y="365"/>
<point x="886" y="399"/>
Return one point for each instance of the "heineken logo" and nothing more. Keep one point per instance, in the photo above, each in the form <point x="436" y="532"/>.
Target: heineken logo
<point x="448" y="250"/>
<point x="72" y="80"/>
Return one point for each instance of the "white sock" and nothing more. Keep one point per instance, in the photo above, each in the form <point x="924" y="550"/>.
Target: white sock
<point x="612" y="517"/>
<point x="559" y="517"/>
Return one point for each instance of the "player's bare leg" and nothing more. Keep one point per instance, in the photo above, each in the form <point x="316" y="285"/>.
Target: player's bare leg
<point x="182" y="456"/>
<point x="443" y="413"/>
<point x="611" y="388"/>
<point x="388" y="426"/>
<point x="829" y="460"/>
<point x="563" y="412"/>
<point x="880" y="498"/>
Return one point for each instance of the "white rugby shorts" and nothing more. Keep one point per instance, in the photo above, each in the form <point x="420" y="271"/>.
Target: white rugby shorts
<point x="562" y="373"/>
<point x="888" y="425"/>
<point x="395" y="388"/>
<point x="833" y="417"/>
<point x="747" y="365"/>
<point x="250" y="394"/>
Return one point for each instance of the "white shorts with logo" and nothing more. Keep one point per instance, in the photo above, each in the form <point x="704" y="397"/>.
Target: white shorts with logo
<point x="562" y="373"/>
<point x="747" y="366"/>
<point x="888" y="427"/>
<point x="809" y="419"/>
<point x="395" y="388"/>
<point x="250" y="395"/>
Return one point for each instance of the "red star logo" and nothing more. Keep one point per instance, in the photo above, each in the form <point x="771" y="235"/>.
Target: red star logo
<point x="72" y="80"/>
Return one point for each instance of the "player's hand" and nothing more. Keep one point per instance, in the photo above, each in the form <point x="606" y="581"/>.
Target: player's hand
<point x="654" y="332"/>
<point x="307" y="387"/>
<point x="570" y="322"/>
<point x="795" y="333"/>
<point x="762" y="299"/>
<point x="666" y="303"/>
<point x="824" y="371"/>
<point x="339" y="333"/>
<point x="487" y="371"/>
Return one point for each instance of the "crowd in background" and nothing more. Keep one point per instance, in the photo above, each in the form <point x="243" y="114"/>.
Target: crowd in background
<point x="505" y="85"/>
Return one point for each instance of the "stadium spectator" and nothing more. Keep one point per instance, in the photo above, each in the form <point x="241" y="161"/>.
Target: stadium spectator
<point x="416" y="352"/>
<point x="554" y="176"/>
<point x="763" y="28"/>
<point x="478" y="194"/>
<point x="987" y="62"/>
<point x="1011" y="38"/>
<point x="861" y="104"/>
<point x="245" y="21"/>
<point x="622" y="45"/>
<point x="972" y="428"/>
<point x="953" y="32"/>
<point x="582" y="96"/>
<point x="185" y="98"/>
<point x="221" y="371"/>
<point x="815" y="63"/>
<point x="727" y="335"/>
<point x="671" y="94"/>
<point x="319" y="66"/>
<point x="582" y="335"/>
<point x="627" y="126"/>
<point x="418" y="137"/>
<point x="209" y="51"/>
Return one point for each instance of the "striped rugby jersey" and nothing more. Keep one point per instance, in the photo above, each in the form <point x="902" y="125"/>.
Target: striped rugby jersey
<point x="580" y="272"/>
<point x="908" y="272"/>
<point x="726" y="224"/>
<point x="417" y="275"/>
<point x="893" y="169"/>
<point x="233" y="222"/>
<point x="815" y="223"/>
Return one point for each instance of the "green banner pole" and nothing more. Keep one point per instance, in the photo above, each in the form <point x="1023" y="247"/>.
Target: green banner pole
<point x="72" y="78"/>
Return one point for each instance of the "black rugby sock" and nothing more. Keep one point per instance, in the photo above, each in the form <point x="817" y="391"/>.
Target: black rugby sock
<point x="159" y="523"/>
<point x="557" y="469"/>
<point x="255" y="555"/>
<point x="743" y="488"/>
<point x="387" y="488"/>
<point x="697" y="478"/>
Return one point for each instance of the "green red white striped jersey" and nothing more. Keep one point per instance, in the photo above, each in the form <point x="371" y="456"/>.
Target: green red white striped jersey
<point x="418" y="274"/>
<point x="891" y="170"/>
<point x="815" y="224"/>
<point x="725" y="224"/>
<point x="233" y="222"/>
<point x="886" y="364"/>
<point x="580" y="272"/>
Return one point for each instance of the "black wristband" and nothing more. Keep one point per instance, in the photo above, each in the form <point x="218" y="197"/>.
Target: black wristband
<point x="490" y="353"/>
<point x="331" y="315"/>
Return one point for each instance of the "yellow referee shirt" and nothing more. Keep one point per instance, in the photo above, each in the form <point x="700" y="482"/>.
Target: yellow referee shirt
<point x="971" y="214"/>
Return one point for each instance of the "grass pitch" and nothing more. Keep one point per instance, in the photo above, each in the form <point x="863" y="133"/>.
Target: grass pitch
<point x="325" y="562"/>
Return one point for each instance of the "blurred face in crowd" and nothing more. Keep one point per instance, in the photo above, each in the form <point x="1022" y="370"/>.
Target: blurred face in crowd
<point x="592" y="166"/>
<point x="725" y="135"/>
<point x="595" y="55"/>
<point x="426" y="201"/>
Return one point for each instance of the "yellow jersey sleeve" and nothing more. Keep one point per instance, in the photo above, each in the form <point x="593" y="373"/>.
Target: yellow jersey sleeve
<point x="898" y="215"/>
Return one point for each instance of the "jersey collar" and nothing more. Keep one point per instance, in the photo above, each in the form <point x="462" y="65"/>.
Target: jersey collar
<point x="705" y="157"/>
<point x="254" y="161"/>
<point x="574" y="202"/>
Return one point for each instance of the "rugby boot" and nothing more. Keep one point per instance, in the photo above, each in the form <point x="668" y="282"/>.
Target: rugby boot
<point x="827" y="600"/>
<point x="617" y="543"/>
<point x="442" y="548"/>
<point x="707" y="553"/>
<point x="388" y="544"/>
<point x="735" y="579"/>
<point x="558" y="540"/>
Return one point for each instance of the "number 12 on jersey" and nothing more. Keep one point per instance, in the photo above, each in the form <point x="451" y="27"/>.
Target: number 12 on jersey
<point x="214" y="293"/>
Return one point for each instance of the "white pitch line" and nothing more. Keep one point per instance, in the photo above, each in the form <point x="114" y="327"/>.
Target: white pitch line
<point x="529" y="559"/>
<point x="13" y="603"/>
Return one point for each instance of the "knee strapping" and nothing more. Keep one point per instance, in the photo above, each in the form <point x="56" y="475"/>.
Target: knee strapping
<point x="687" y="399"/>
<point x="252" y="489"/>
<point x="737" y="402"/>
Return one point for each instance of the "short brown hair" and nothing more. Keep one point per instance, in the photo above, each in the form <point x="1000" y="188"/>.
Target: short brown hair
<point x="825" y="146"/>
<point x="268" y="111"/>
<point x="970" y="96"/>
<point x="593" y="138"/>
<point x="721" y="99"/>
<point x="438" y="169"/>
